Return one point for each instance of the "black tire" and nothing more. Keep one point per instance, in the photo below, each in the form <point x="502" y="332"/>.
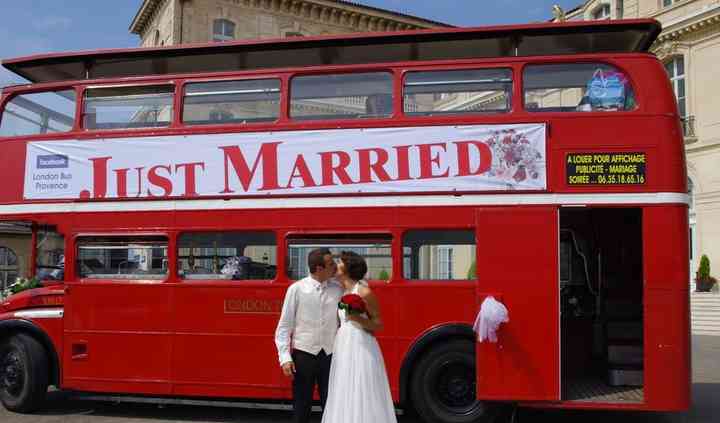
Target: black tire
<point x="442" y="388"/>
<point x="23" y="374"/>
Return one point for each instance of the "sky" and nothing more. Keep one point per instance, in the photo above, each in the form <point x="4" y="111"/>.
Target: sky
<point x="42" y="26"/>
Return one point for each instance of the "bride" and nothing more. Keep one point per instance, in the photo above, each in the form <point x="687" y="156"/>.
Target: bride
<point x="358" y="391"/>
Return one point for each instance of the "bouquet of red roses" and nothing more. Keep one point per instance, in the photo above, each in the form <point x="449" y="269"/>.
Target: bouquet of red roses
<point x="352" y="304"/>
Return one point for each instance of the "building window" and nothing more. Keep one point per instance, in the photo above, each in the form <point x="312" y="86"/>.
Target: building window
<point x="293" y="34"/>
<point x="444" y="262"/>
<point x="602" y="12"/>
<point x="667" y="3"/>
<point x="676" y="71"/>
<point x="8" y="267"/>
<point x="223" y="30"/>
<point x="620" y="8"/>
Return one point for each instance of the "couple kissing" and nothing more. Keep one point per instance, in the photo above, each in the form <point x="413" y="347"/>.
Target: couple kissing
<point x="334" y="347"/>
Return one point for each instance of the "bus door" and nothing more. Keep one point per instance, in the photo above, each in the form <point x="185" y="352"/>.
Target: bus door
<point x="517" y="256"/>
<point x="227" y="305"/>
<point x="118" y="315"/>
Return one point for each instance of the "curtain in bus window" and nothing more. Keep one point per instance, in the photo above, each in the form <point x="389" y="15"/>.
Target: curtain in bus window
<point x="577" y="87"/>
<point x="128" y="107"/>
<point x="345" y="96"/>
<point x="229" y="255"/>
<point x="375" y="248"/>
<point x="232" y="102"/>
<point x="39" y="113"/>
<point x="446" y="254"/>
<point x="457" y="92"/>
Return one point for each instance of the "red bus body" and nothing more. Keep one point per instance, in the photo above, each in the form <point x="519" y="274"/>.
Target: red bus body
<point x="180" y="338"/>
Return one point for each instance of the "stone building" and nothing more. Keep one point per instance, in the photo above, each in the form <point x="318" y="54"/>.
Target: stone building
<point x="168" y="22"/>
<point x="689" y="46"/>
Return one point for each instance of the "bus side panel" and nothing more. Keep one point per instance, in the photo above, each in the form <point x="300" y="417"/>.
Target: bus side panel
<point x="12" y="163"/>
<point x="665" y="167"/>
<point x="117" y="337"/>
<point x="224" y="343"/>
<point x="667" y="310"/>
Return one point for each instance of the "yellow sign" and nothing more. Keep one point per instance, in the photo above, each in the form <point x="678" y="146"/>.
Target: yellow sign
<point x="605" y="168"/>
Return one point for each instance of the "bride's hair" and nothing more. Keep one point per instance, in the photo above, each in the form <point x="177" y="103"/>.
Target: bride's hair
<point x="355" y="265"/>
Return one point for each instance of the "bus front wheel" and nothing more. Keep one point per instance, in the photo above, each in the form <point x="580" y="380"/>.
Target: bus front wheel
<point x="23" y="374"/>
<point x="443" y="386"/>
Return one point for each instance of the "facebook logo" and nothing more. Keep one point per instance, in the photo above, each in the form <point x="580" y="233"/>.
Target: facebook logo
<point x="52" y="161"/>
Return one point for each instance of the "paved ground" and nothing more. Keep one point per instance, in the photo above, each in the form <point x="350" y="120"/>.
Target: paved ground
<point x="706" y="405"/>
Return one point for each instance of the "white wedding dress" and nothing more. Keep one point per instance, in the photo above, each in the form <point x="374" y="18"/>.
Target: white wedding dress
<point x="359" y="391"/>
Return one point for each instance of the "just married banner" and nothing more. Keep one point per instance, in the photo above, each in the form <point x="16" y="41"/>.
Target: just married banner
<point x="381" y="160"/>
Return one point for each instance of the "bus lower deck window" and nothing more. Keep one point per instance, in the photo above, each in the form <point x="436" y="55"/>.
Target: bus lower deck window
<point x="455" y="92"/>
<point x="447" y="254"/>
<point x="375" y="248"/>
<point x="577" y="87"/>
<point x="122" y="257"/>
<point x="227" y="255"/>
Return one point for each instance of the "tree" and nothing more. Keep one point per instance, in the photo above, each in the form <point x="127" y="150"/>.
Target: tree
<point x="384" y="275"/>
<point x="472" y="271"/>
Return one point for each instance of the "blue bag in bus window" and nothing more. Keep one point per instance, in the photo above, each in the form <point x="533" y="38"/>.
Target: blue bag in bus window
<point x="607" y="90"/>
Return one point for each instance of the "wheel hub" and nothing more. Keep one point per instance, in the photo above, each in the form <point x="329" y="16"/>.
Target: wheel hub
<point x="456" y="387"/>
<point x="12" y="373"/>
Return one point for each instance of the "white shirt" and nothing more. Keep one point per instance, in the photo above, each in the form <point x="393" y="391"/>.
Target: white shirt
<point x="310" y="316"/>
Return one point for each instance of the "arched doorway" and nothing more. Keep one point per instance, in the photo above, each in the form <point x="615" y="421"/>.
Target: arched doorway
<point x="8" y="267"/>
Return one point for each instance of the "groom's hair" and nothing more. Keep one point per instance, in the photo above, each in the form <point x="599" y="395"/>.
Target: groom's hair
<point x="355" y="265"/>
<point x="317" y="258"/>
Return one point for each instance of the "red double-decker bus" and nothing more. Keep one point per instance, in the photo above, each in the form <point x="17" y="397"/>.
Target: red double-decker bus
<point x="167" y="197"/>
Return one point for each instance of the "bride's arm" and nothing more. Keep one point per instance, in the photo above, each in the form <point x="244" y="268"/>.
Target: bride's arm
<point x="374" y="322"/>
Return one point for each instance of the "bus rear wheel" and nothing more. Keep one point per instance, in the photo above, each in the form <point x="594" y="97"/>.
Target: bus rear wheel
<point x="23" y="374"/>
<point x="443" y="386"/>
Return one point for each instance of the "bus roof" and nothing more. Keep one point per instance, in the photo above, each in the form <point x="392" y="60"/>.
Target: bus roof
<point x="623" y="36"/>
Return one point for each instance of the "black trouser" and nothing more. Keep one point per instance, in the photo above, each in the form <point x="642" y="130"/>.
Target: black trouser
<point x="309" y="370"/>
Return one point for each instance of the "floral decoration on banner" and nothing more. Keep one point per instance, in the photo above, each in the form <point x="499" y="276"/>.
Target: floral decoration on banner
<point x="515" y="159"/>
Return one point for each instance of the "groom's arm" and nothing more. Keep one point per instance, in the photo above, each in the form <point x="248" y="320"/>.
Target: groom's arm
<point x="286" y="325"/>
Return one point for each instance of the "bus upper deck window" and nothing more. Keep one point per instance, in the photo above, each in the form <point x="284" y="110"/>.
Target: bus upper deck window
<point x="457" y="92"/>
<point x="128" y="107"/>
<point x="39" y="113"/>
<point x="577" y="87"/>
<point x="231" y="102"/>
<point x="346" y="96"/>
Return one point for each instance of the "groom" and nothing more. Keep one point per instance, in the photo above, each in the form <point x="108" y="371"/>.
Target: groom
<point x="306" y="332"/>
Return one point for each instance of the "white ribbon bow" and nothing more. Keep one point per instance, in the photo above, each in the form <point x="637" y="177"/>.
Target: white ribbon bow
<point x="491" y="315"/>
